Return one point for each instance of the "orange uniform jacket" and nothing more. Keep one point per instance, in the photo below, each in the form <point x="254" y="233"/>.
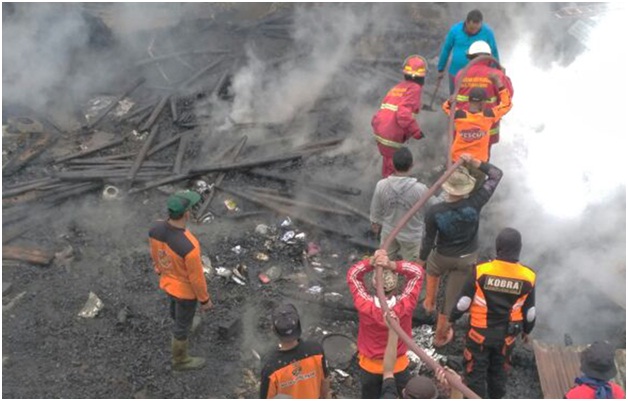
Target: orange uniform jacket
<point x="477" y="76"/>
<point x="472" y="129"/>
<point x="298" y="372"/>
<point x="498" y="292"/>
<point x="177" y="259"/>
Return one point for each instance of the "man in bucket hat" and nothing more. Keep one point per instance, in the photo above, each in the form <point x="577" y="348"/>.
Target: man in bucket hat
<point x="451" y="238"/>
<point x="176" y="257"/>
<point x="597" y="362"/>
<point x="297" y="368"/>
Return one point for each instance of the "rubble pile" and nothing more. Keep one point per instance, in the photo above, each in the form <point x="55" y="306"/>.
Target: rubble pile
<point x="79" y="196"/>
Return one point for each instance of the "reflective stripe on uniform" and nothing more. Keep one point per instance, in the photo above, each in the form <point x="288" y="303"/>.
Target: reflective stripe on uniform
<point x="465" y="98"/>
<point x="393" y="107"/>
<point x="389" y="106"/>
<point x="388" y="142"/>
<point x="494" y="131"/>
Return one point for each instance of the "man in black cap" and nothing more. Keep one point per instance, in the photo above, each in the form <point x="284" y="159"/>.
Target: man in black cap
<point x="176" y="258"/>
<point x="296" y="368"/>
<point x="499" y="296"/>
<point x="597" y="362"/>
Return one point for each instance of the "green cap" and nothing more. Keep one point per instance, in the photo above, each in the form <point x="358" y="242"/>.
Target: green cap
<point x="180" y="202"/>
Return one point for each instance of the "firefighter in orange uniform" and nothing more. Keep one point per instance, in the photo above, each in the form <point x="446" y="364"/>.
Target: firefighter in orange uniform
<point x="472" y="126"/>
<point x="395" y="122"/>
<point x="176" y="257"/>
<point x="477" y="76"/>
<point x="499" y="295"/>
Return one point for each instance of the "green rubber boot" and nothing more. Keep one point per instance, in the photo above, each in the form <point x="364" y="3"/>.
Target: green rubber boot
<point x="181" y="361"/>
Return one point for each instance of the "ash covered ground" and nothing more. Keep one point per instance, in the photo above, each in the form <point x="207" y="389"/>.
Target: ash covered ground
<point x="289" y="78"/>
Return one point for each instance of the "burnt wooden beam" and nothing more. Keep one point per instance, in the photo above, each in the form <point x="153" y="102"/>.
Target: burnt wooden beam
<point x="161" y="181"/>
<point x="188" y="82"/>
<point x="90" y="151"/>
<point x="300" y="204"/>
<point x="142" y="154"/>
<point x="178" y="160"/>
<point x="178" y="54"/>
<point x="155" y="113"/>
<point x="45" y="140"/>
<point x="25" y="188"/>
<point x="304" y="181"/>
<point x="30" y="255"/>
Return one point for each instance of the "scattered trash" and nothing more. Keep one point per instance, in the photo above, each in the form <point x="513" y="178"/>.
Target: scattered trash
<point x="268" y="244"/>
<point x="231" y="205"/>
<point x="273" y="273"/>
<point x="263" y="278"/>
<point x="316" y="263"/>
<point x="317" y="289"/>
<point x="261" y="256"/>
<point x="342" y="373"/>
<point x="223" y="272"/>
<point x="238" y="280"/>
<point x="312" y="249"/>
<point x="96" y="105"/>
<point x="123" y="107"/>
<point x="262" y="229"/>
<point x="241" y="272"/>
<point x="207" y="218"/>
<point x="207" y="266"/>
<point x="335" y="256"/>
<point x="319" y="270"/>
<point x="332" y="297"/>
<point x="287" y="222"/>
<point x="92" y="306"/>
<point x="300" y="236"/>
<point x="287" y="236"/>
<point x="110" y="193"/>
<point x="424" y="336"/>
<point x="139" y="136"/>
<point x="201" y="186"/>
<point x="237" y="249"/>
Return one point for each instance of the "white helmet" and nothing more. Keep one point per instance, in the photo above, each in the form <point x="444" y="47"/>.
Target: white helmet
<point x="479" y="47"/>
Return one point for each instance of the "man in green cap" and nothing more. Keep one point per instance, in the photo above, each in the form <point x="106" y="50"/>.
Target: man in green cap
<point x="177" y="260"/>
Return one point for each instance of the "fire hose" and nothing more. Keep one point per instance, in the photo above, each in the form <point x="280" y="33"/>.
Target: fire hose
<point x="454" y="100"/>
<point x="452" y="379"/>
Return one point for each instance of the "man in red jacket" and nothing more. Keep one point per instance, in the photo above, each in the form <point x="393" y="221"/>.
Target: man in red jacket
<point x="395" y="122"/>
<point x="372" y="329"/>
<point x="478" y="76"/>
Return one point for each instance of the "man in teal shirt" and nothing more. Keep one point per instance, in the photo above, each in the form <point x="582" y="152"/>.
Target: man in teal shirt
<point x="458" y="40"/>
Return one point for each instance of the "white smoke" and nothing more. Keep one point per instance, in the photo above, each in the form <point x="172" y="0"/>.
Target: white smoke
<point x="562" y="150"/>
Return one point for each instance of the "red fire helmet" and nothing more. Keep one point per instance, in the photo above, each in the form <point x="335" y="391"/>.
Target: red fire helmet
<point x="415" y="66"/>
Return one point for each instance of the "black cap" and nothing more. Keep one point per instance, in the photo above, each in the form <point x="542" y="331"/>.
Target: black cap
<point x="286" y="322"/>
<point x="598" y="361"/>
<point x="508" y="245"/>
<point x="477" y="95"/>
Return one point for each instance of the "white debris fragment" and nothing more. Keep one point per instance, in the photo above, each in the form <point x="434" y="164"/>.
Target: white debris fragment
<point x="207" y="266"/>
<point x="287" y="222"/>
<point x="223" y="272"/>
<point x="316" y="289"/>
<point x="342" y="373"/>
<point x="237" y="249"/>
<point x="262" y="229"/>
<point x="287" y="236"/>
<point x="92" y="306"/>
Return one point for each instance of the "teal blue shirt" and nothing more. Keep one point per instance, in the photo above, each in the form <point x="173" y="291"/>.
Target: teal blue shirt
<point x="458" y="41"/>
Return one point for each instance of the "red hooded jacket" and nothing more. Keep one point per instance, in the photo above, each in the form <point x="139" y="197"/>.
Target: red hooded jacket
<point x="372" y="330"/>
<point x="395" y="122"/>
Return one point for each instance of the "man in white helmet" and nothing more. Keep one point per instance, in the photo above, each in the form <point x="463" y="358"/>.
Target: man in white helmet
<point x="478" y="76"/>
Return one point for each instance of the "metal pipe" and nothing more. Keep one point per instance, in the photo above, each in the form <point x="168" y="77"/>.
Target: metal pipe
<point x="453" y="380"/>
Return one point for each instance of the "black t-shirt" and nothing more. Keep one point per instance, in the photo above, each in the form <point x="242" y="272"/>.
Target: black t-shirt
<point x="298" y="372"/>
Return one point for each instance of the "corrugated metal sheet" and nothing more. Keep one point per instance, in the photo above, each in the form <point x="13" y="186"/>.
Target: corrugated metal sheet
<point x="558" y="366"/>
